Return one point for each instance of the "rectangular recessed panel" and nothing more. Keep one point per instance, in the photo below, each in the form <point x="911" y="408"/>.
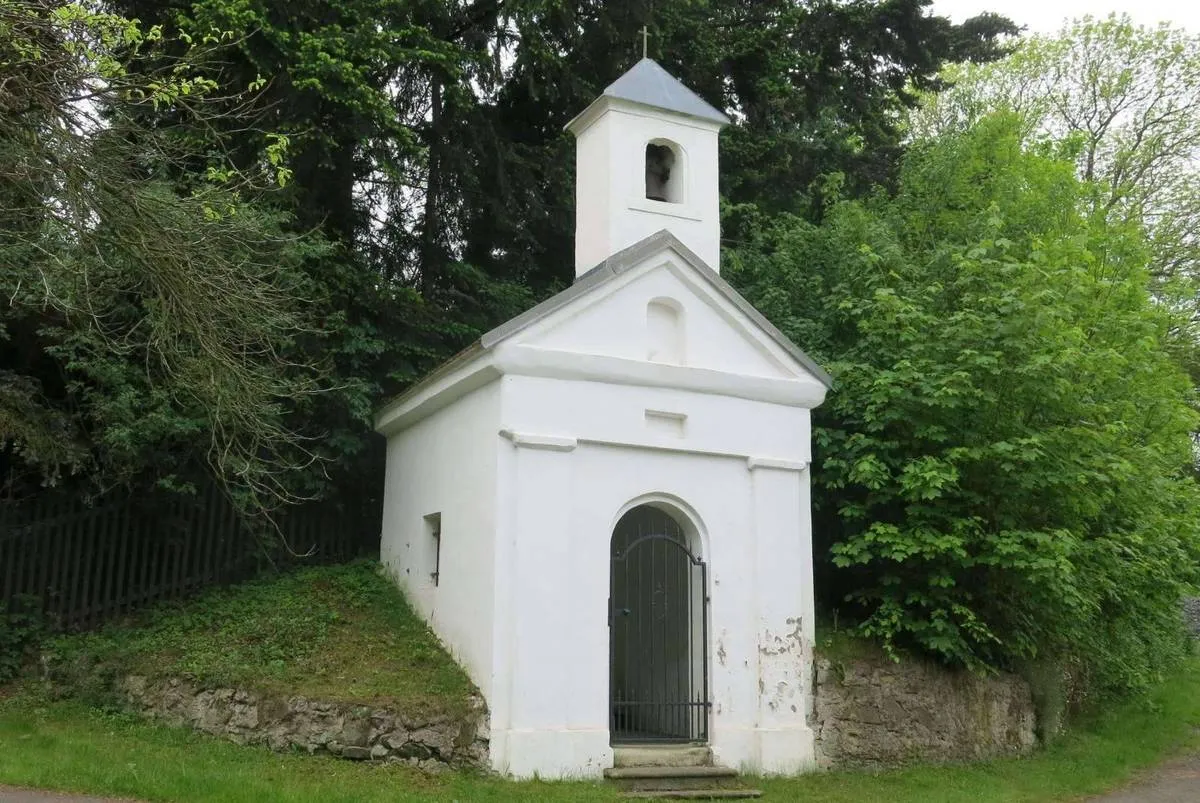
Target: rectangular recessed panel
<point x="670" y="424"/>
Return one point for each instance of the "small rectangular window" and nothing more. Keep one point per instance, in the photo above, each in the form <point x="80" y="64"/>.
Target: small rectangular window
<point x="433" y="529"/>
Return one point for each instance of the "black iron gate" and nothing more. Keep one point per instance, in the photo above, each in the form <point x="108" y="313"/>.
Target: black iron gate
<point x="658" y="629"/>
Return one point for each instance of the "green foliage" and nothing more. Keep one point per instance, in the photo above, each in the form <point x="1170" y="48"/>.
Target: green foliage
<point x="1122" y="101"/>
<point x="151" y="318"/>
<point x="340" y="633"/>
<point x="21" y="628"/>
<point x="426" y="140"/>
<point x="1004" y="470"/>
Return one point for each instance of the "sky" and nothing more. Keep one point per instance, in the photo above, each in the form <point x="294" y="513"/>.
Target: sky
<point x="1046" y="16"/>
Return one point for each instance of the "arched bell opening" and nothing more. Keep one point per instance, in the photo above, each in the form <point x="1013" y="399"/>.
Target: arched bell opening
<point x="664" y="171"/>
<point x="658" y="631"/>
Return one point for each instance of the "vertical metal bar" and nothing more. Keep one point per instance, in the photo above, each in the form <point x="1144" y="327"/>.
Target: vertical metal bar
<point x="612" y="641"/>
<point x="704" y="645"/>
<point x="657" y="669"/>
<point x="641" y="692"/>
<point x="685" y="668"/>
<point x="627" y="644"/>
<point x="108" y="556"/>
<point x="674" y="581"/>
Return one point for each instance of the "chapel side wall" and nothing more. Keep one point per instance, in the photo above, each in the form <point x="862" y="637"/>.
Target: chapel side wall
<point x="446" y="464"/>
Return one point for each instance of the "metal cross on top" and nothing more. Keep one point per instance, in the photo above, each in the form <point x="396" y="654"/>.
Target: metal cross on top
<point x="645" y="41"/>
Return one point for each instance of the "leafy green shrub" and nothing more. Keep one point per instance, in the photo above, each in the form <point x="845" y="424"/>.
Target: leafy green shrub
<point x="20" y="629"/>
<point x="1004" y="471"/>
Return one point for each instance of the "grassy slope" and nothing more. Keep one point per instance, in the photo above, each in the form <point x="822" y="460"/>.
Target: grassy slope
<point x="65" y="745"/>
<point x="338" y="633"/>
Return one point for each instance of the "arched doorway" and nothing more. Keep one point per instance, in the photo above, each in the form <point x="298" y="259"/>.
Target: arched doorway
<point x="658" y="629"/>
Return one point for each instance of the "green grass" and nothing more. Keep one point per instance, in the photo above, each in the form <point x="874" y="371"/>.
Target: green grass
<point x="65" y="745"/>
<point x="341" y="633"/>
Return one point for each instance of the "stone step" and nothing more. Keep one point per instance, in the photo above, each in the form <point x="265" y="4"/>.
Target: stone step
<point x="666" y="779"/>
<point x="662" y="755"/>
<point x="699" y="771"/>
<point x="695" y="794"/>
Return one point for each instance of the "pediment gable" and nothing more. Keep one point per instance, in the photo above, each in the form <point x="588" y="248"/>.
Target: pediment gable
<point x="661" y="312"/>
<point x="653" y="315"/>
<point x="658" y="302"/>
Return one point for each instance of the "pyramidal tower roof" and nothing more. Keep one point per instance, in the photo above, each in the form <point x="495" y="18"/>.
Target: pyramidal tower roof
<point x="649" y="84"/>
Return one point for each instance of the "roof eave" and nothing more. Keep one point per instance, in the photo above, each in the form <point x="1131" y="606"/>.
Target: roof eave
<point x="471" y="368"/>
<point x="582" y="121"/>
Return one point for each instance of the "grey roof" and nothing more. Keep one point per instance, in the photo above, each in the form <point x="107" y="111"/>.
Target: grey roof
<point x="600" y="275"/>
<point x="649" y="84"/>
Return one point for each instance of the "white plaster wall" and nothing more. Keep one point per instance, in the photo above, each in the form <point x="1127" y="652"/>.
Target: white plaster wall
<point x="617" y="413"/>
<point x="447" y="464"/>
<point x="563" y="492"/>
<point x="593" y="194"/>
<point x="612" y="211"/>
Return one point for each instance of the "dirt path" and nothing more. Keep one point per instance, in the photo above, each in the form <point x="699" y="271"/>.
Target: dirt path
<point x="10" y="794"/>
<point x="1177" y="781"/>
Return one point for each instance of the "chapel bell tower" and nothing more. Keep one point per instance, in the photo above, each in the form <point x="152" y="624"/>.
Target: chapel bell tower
<point x="645" y="160"/>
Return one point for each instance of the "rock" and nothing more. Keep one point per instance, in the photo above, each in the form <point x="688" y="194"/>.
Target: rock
<point x="356" y="730"/>
<point x="214" y="717"/>
<point x="272" y="710"/>
<point x="395" y="740"/>
<point x="408" y="762"/>
<point x="244" y="716"/>
<point x="414" y="750"/>
<point x="379" y="752"/>
<point x="135" y="686"/>
<point x="381" y="723"/>
<point x="356" y="753"/>
<point x="437" y="740"/>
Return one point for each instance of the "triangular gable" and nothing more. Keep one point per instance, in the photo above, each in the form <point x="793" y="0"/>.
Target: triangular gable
<point x="478" y="364"/>
<point x="615" y="267"/>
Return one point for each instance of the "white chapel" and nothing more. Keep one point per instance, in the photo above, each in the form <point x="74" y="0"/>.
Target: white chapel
<point x="602" y="506"/>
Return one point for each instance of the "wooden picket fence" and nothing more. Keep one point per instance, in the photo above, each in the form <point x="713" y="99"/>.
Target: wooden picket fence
<point x="83" y="565"/>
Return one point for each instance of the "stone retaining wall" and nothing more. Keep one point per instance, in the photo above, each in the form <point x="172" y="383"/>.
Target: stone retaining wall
<point x="431" y="743"/>
<point x="875" y="712"/>
<point x="867" y="712"/>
